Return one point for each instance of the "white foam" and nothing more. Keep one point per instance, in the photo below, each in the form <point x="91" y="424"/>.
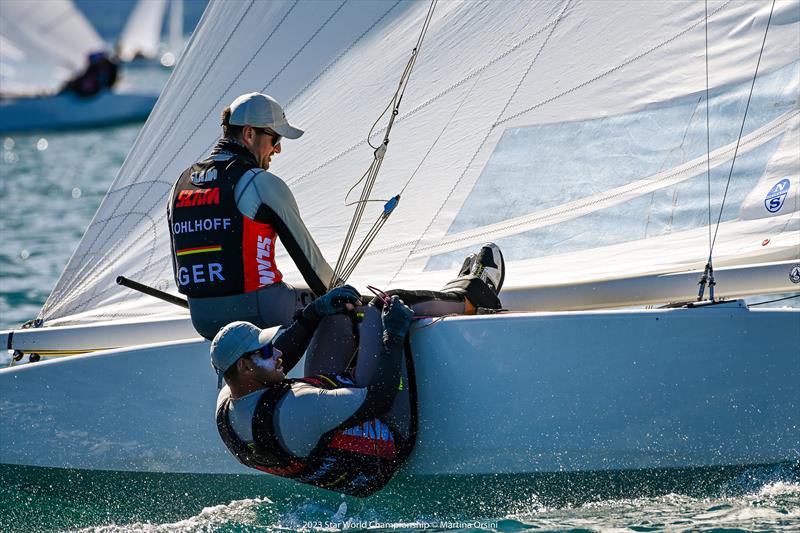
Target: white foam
<point x="240" y="512"/>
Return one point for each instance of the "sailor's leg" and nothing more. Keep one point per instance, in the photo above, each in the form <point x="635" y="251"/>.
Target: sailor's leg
<point x="332" y="348"/>
<point x="209" y="315"/>
<point x="370" y="349"/>
<point x="432" y="303"/>
<point x="370" y="346"/>
<point x="278" y="302"/>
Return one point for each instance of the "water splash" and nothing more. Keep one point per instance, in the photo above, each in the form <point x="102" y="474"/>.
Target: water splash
<point x="236" y="515"/>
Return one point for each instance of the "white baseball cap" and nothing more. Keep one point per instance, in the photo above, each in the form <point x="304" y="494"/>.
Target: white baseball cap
<point x="235" y="340"/>
<point x="262" y="111"/>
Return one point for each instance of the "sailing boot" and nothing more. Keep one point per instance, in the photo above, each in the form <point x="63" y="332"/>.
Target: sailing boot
<point x="489" y="266"/>
<point x="480" y="278"/>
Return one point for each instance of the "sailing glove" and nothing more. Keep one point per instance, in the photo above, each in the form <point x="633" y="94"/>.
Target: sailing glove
<point x="332" y="302"/>
<point x="396" y="319"/>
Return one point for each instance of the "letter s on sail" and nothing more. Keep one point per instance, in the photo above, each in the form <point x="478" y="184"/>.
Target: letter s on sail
<point x="777" y="196"/>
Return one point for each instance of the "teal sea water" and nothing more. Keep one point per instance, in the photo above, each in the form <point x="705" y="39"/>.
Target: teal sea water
<point x="757" y="498"/>
<point x="50" y="186"/>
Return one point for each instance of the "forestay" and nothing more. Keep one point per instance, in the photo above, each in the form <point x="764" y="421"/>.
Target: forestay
<point x="571" y="133"/>
<point x="42" y="42"/>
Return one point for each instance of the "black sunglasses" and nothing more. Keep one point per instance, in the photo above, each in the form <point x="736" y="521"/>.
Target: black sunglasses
<point x="276" y="138"/>
<point x="264" y="352"/>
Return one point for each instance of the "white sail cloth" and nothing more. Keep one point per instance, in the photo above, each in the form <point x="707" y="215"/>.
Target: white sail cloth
<point x="42" y="42"/>
<point x="142" y="32"/>
<point x="569" y="132"/>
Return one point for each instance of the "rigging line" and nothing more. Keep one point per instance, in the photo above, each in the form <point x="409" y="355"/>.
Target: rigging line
<point x="482" y="143"/>
<point x="741" y="130"/>
<point x="444" y="92"/>
<point x="708" y="139"/>
<point x="773" y="301"/>
<point x="375" y="165"/>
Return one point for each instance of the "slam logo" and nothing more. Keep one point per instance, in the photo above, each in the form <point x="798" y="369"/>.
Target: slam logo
<point x="776" y="196"/>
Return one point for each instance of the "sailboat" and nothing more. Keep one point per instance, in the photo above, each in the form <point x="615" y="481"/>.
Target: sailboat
<point x="142" y="32"/>
<point x="141" y="37"/>
<point x="611" y="149"/>
<point x="42" y="44"/>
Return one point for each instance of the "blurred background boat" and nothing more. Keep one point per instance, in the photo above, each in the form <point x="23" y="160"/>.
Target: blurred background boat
<point x="141" y="42"/>
<point x="55" y="73"/>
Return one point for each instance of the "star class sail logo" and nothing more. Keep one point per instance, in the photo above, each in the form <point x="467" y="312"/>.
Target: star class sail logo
<point x="794" y="275"/>
<point x="777" y="196"/>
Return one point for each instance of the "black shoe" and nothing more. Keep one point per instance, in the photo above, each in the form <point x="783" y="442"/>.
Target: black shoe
<point x="466" y="267"/>
<point x="489" y="266"/>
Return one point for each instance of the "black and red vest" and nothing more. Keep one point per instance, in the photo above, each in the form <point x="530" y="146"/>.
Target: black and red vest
<point x="358" y="460"/>
<point x="217" y="251"/>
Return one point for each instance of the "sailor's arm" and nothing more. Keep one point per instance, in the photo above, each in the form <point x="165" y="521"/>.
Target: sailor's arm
<point x="265" y="198"/>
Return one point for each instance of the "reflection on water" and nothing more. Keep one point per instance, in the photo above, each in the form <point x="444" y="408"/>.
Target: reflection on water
<point x="50" y="186"/>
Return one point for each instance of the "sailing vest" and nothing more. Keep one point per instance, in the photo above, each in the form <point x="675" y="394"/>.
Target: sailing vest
<point x="217" y="250"/>
<point x="357" y="460"/>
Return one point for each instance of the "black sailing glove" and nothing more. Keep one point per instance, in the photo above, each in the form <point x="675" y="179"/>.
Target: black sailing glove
<point x="396" y="319"/>
<point x="331" y="303"/>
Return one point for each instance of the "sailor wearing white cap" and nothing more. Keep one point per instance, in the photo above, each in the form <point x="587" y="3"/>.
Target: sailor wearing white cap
<point x="226" y="215"/>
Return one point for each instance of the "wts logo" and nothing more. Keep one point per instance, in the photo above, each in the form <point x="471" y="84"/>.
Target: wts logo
<point x="777" y="196"/>
<point x="265" y="273"/>
<point x="198" y="198"/>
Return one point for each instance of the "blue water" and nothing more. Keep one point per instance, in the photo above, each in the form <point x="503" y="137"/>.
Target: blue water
<point x="50" y="186"/>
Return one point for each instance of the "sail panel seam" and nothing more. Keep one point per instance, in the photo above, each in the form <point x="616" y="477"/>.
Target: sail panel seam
<point x="753" y="141"/>
<point x="609" y="71"/>
<point x="287" y="63"/>
<point x="482" y="143"/>
<point x="428" y="102"/>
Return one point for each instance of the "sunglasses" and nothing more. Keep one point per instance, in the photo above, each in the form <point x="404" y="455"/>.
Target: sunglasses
<point x="276" y="138"/>
<point x="265" y="352"/>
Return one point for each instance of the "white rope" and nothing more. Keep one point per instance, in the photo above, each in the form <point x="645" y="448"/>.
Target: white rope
<point x="344" y="267"/>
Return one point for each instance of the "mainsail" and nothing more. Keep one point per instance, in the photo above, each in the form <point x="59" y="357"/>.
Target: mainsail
<point x="571" y="133"/>
<point x="142" y="32"/>
<point x="42" y="42"/>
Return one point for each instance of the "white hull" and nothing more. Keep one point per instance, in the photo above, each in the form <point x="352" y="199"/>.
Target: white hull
<point x="516" y="393"/>
<point x="65" y="112"/>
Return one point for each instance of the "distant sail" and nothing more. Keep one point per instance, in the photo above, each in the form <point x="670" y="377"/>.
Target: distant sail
<point x="175" y="42"/>
<point x="142" y="33"/>
<point x="571" y="133"/>
<point x="42" y="43"/>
